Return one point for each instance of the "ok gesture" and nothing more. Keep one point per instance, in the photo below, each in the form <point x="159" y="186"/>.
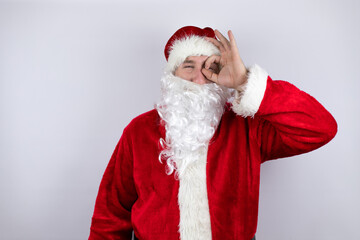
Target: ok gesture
<point x="232" y="73"/>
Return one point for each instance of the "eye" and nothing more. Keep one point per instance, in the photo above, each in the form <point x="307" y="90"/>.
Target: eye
<point x="214" y="68"/>
<point x="188" y="66"/>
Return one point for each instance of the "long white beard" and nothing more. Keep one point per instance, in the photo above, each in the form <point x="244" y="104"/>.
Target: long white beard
<point x="191" y="113"/>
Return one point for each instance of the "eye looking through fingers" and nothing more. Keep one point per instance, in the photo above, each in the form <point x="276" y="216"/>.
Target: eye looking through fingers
<point x="214" y="68"/>
<point x="212" y="62"/>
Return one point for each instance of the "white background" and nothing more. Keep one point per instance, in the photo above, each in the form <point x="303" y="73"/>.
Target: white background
<point x="73" y="74"/>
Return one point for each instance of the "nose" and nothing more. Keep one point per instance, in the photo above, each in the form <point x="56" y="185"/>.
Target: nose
<point x="199" y="77"/>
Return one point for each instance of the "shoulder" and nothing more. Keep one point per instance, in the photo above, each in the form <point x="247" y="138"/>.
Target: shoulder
<point x="145" y="120"/>
<point x="151" y="115"/>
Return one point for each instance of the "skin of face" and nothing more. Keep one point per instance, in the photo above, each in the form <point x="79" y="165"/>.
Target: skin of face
<point x="191" y="69"/>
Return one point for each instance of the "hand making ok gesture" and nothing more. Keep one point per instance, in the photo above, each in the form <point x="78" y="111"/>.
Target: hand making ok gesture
<point x="232" y="73"/>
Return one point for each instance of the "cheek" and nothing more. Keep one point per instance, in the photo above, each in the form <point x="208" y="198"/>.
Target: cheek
<point x="177" y="72"/>
<point x="183" y="73"/>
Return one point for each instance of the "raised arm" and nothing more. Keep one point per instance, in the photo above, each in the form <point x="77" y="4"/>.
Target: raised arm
<point x="287" y="121"/>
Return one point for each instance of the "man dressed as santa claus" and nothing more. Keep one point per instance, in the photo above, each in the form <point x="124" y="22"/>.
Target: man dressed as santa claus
<point x="190" y="168"/>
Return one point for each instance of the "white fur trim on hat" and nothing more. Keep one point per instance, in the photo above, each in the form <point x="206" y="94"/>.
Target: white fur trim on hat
<point x="189" y="46"/>
<point x="247" y="102"/>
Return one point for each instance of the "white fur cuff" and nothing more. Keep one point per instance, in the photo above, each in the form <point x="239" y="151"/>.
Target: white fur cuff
<point x="247" y="102"/>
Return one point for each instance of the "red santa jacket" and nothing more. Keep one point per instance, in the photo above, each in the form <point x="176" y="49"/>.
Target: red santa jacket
<point x="271" y="119"/>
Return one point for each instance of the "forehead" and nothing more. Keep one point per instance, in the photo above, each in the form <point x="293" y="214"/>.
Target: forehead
<point x="195" y="59"/>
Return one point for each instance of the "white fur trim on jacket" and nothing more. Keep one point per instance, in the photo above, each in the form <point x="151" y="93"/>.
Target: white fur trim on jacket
<point x="189" y="46"/>
<point x="193" y="201"/>
<point x="247" y="102"/>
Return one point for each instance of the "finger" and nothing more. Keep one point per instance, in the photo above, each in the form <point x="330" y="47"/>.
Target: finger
<point x="211" y="59"/>
<point x="222" y="39"/>
<point x="217" y="43"/>
<point x="234" y="47"/>
<point x="232" y="41"/>
<point x="210" y="75"/>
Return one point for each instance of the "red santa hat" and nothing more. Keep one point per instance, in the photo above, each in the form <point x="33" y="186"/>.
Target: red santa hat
<point x="188" y="41"/>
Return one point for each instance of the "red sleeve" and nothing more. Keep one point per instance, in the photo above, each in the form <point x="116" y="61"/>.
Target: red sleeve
<point x="291" y="122"/>
<point x="117" y="194"/>
<point x="287" y="121"/>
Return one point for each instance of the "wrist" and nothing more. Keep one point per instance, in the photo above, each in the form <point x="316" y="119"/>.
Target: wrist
<point x="241" y="86"/>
